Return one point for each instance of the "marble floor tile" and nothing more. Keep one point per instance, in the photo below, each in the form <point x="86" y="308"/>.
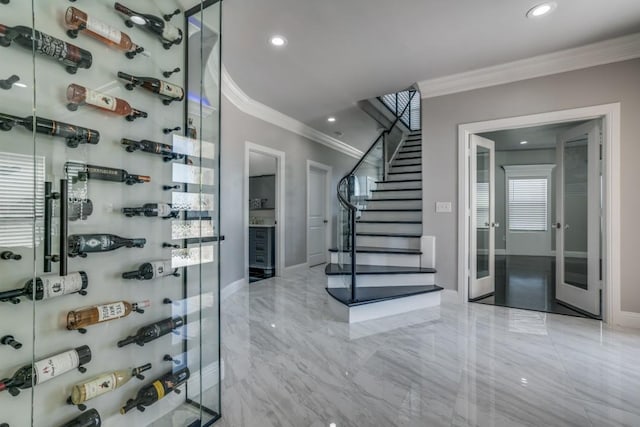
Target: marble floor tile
<point x="289" y="363"/>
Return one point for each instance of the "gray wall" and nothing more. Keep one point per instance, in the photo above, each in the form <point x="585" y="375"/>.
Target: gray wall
<point x="619" y="82"/>
<point x="237" y="128"/>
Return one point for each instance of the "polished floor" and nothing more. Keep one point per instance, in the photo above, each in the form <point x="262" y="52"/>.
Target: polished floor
<point x="529" y="282"/>
<point x="288" y="363"/>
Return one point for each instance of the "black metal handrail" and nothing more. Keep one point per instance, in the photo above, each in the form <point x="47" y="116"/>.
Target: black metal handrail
<point x="353" y="208"/>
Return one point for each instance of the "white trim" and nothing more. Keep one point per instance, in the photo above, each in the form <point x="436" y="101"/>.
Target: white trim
<point x="327" y="205"/>
<point x="232" y="288"/>
<point x="629" y="319"/>
<point x="612" y="212"/>
<point x="605" y="52"/>
<point x="451" y="295"/>
<point x="281" y="177"/>
<point x="293" y="269"/>
<point x="261" y="111"/>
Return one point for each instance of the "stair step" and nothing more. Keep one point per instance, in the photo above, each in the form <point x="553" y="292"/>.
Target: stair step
<point x="407" y="162"/>
<point x="388" y="222"/>
<point x="392" y="204"/>
<point x="402" y="172"/>
<point x="393" y="210"/>
<point x="338" y="270"/>
<point x="399" y="180"/>
<point x="389" y="226"/>
<point x="411" y="167"/>
<point x="408" y="258"/>
<point x="408" y="158"/>
<point x="370" y="295"/>
<point x="374" y="250"/>
<point x="403" y="151"/>
<point x="405" y="176"/>
<point x="399" y="199"/>
<point x="388" y="214"/>
<point x="398" y="189"/>
<point x="405" y="235"/>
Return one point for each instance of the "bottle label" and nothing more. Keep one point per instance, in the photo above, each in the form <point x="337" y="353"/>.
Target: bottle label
<point x="112" y="311"/>
<point x="55" y="286"/>
<point x="104" y="30"/>
<point x="164" y="209"/>
<point x="159" y="389"/>
<point x="169" y="90"/>
<point x="99" y="386"/>
<point x="101" y="100"/>
<point x="171" y="33"/>
<point x="51" y="46"/>
<point x="95" y="244"/>
<point x="161" y="268"/>
<point x="57" y="365"/>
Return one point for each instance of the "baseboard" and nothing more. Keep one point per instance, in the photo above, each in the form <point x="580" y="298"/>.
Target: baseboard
<point x="232" y="288"/>
<point x="450" y="295"/>
<point x="293" y="269"/>
<point x="627" y="319"/>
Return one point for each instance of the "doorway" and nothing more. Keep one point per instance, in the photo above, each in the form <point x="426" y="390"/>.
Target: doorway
<point x="264" y="207"/>
<point x="549" y="233"/>
<point x="318" y="213"/>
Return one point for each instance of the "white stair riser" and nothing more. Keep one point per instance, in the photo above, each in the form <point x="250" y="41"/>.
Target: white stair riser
<point x="361" y="313"/>
<point x="405" y="169"/>
<point x="396" y="177"/>
<point x="405" y="194"/>
<point x="400" y="260"/>
<point x="394" y="204"/>
<point x="398" y="185"/>
<point x="392" y="215"/>
<point x="400" y="162"/>
<point x="371" y="280"/>
<point x="377" y="227"/>
<point x="388" y="242"/>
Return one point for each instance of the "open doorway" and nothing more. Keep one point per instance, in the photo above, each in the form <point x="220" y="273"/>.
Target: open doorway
<point x="264" y="212"/>
<point x="540" y="194"/>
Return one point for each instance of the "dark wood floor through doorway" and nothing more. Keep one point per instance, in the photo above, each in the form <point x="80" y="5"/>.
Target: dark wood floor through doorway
<point x="527" y="282"/>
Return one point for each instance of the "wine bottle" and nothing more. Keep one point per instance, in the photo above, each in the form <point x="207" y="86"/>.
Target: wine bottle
<point x="150" y="394"/>
<point x="164" y="150"/>
<point x="74" y="135"/>
<point x="104" y="383"/>
<point x="152" y="332"/>
<point x="82" y="244"/>
<point x="169" y="34"/>
<point x="46" y="369"/>
<point x="104" y="173"/>
<point x="162" y="210"/>
<point x="79" y="95"/>
<point x="168" y="92"/>
<point x="77" y="20"/>
<point x="69" y="55"/>
<point x="49" y="286"/>
<point x="152" y="270"/>
<point x="91" y="418"/>
<point x="80" y="319"/>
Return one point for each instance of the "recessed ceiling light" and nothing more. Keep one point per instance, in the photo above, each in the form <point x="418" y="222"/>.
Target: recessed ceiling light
<point x="524" y="142"/>
<point x="542" y="9"/>
<point x="278" y="41"/>
<point x="331" y="119"/>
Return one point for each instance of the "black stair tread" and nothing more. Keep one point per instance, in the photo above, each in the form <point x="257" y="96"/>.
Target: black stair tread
<point x="383" y="221"/>
<point x="374" y="250"/>
<point x="407" y="158"/>
<point x="372" y="234"/>
<point x="399" y="189"/>
<point x="372" y="294"/>
<point x="399" y="180"/>
<point x="403" y="151"/>
<point x="408" y="164"/>
<point x="394" y="200"/>
<point x="392" y="210"/>
<point x="338" y="270"/>
<point x="404" y="172"/>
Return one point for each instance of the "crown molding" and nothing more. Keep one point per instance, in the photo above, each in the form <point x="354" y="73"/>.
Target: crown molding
<point x="261" y="111"/>
<point x="605" y="52"/>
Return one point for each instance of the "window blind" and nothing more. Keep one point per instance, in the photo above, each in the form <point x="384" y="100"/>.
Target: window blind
<point x="528" y="204"/>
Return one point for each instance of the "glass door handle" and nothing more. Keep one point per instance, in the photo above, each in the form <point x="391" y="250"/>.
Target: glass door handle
<point x="557" y="225"/>
<point x="495" y="224"/>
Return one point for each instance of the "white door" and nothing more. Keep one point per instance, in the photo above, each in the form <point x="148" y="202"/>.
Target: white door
<point x="317" y="217"/>
<point x="578" y="196"/>
<point x="482" y="244"/>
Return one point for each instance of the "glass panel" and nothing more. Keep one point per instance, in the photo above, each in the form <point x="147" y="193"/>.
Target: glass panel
<point x="575" y="226"/>
<point x="482" y="211"/>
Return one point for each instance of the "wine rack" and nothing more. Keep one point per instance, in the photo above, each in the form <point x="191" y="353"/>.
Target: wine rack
<point x="109" y="213"/>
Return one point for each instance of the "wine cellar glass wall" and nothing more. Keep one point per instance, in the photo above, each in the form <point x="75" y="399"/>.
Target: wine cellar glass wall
<point x="109" y="214"/>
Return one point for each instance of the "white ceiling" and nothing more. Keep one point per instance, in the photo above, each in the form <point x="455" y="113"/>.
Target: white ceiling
<point x="537" y="137"/>
<point x="340" y="52"/>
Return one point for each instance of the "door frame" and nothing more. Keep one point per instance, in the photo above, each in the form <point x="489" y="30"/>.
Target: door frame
<point x="327" y="205"/>
<point x="610" y="114"/>
<point x="280" y="157"/>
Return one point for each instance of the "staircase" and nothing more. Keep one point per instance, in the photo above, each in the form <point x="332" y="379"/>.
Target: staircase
<point x="379" y="268"/>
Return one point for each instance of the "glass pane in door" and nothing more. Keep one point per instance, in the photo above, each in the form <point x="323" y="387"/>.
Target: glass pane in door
<point x="575" y="225"/>
<point x="482" y="211"/>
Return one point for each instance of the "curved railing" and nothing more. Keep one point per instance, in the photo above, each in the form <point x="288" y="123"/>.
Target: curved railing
<point x="355" y="188"/>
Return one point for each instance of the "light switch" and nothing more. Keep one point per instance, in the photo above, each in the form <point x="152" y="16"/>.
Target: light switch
<point x="443" y="207"/>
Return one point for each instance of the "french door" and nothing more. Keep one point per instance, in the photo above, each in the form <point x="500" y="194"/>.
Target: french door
<point x="482" y="244"/>
<point x="578" y="224"/>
